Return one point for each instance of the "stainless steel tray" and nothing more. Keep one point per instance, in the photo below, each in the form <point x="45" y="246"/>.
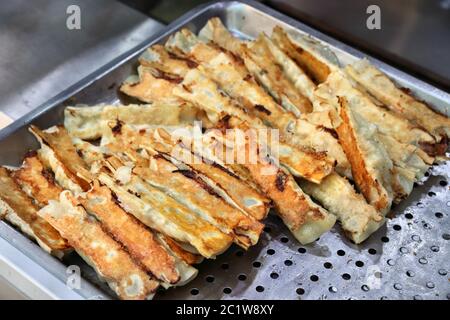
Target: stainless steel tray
<point x="407" y="259"/>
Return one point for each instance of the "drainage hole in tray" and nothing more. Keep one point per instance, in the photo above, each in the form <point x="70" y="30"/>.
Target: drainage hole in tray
<point x="346" y="276"/>
<point x="227" y="290"/>
<point x="239" y="253"/>
<point x="274" y="275"/>
<point x="210" y="279"/>
<point x="359" y="264"/>
<point x="341" y="253"/>
<point x="314" y="278"/>
<point x="284" y="239"/>
<point x="301" y="250"/>
<point x="300" y="291"/>
<point x="270" y="252"/>
<point x="256" y="264"/>
<point x="259" y="288"/>
<point x="288" y="263"/>
<point x="242" y="277"/>
<point x="328" y="265"/>
<point x="194" y="291"/>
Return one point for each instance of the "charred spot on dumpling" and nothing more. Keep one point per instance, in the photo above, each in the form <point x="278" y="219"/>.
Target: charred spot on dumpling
<point x="49" y="175"/>
<point x="281" y="180"/>
<point x="159" y="74"/>
<point x="30" y="154"/>
<point x="261" y="108"/>
<point x="117" y="129"/>
<point x="188" y="89"/>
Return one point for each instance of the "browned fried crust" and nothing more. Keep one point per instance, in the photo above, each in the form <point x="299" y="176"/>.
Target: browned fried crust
<point x="11" y="193"/>
<point x="364" y="180"/>
<point x="138" y="240"/>
<point x="39" y="180"/>
<point x="435" y="149"/>
<point x="61" y="144"/>
<point x="110" y="260"/>
<point x="186" y="256"/>
<point x="316" y="70"/>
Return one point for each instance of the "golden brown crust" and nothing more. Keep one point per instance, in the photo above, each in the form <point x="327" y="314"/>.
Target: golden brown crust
<point x="107" y="256"/>
<point x="158" y="57"/>
<point x="23" y="206"/>
<point x="189" y="188"/>
<point x="232" y="185"/>
<point x="138" y="240"/>
<point x="314" y="68"/>
<point x="186" y="256"/>
<point x="151" y="88"/>
<point x="61" y="144"/>
<point x="39" y="181"/>
<point x="259" y="61"/>
<point x="160" y="212"/>
<point x="368" y="184"/>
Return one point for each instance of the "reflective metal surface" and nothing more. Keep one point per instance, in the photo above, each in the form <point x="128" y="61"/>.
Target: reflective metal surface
<point x="417" y="238"/>
<point x="40" y="56"/>
<point x="406" y="259"/>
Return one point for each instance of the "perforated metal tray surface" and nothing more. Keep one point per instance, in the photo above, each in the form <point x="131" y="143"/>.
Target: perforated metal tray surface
<point x="408" y="258"/>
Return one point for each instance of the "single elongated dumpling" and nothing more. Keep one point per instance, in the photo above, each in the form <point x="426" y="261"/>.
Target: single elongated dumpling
<point x="358" y="219"/>
<point x="88" y="123"/>
<point x="152" y="86"/>
<point x="371" y="165"/>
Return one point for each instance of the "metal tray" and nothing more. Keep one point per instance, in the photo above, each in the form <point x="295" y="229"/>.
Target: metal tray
<point x="406" y="259"/>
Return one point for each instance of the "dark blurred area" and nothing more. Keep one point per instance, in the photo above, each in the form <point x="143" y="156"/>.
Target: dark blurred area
<point x="414" y="35"/>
